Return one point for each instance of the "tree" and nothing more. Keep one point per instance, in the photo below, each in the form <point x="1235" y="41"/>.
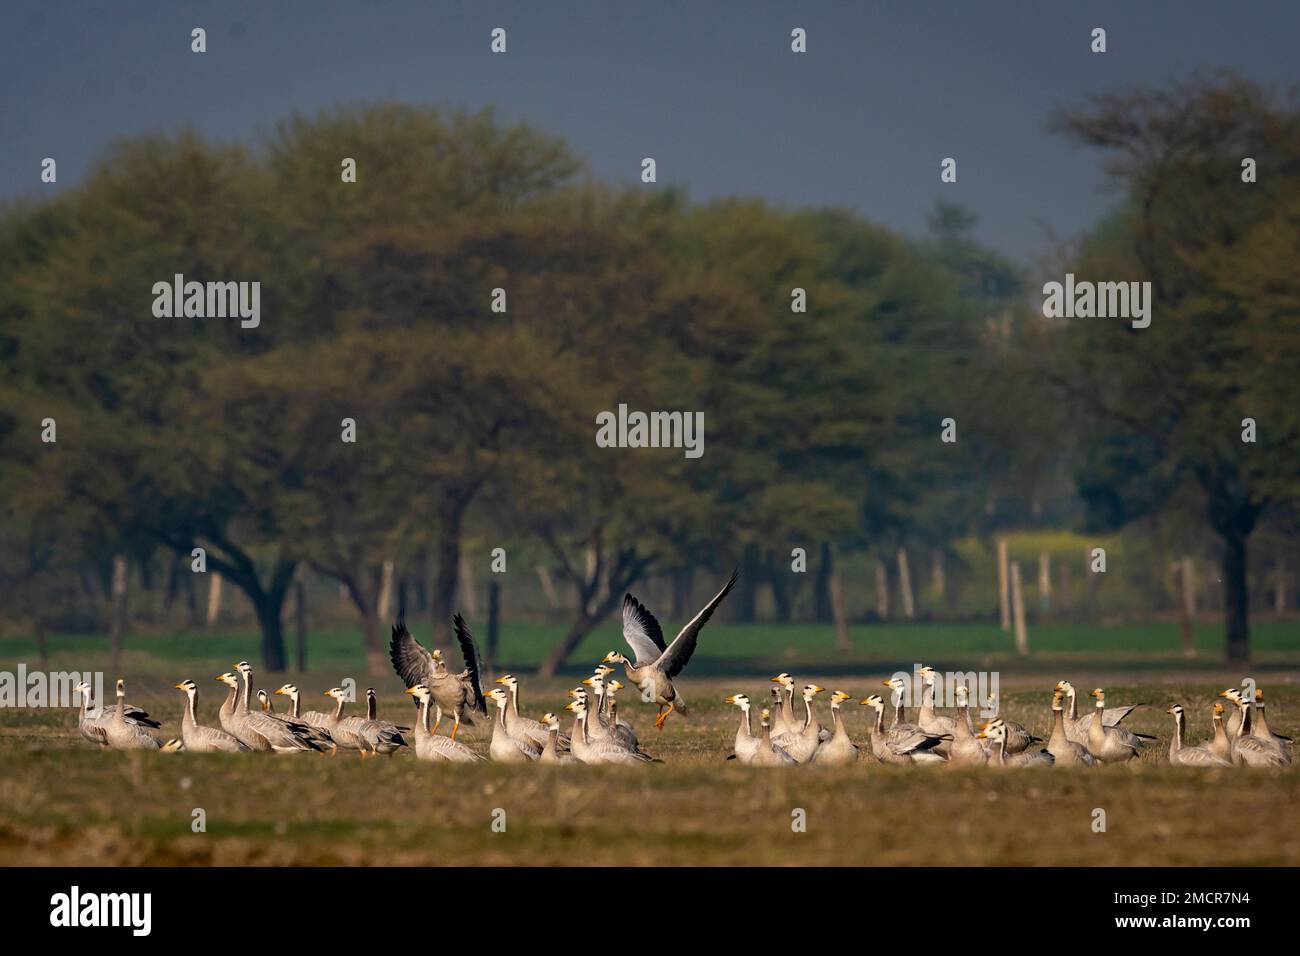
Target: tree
<point x="1165" y="405"/>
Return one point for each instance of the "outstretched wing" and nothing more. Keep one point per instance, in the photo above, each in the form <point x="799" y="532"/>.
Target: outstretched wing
<point x="641" y="631"/>
<point x="680" y="650"/>
<point x="473" y="663"/>
<point x="413" y="663"/>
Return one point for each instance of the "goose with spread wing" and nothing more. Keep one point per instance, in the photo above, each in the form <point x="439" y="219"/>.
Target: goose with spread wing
<point x="658" y="663"/>
<point x="456" y="694"/>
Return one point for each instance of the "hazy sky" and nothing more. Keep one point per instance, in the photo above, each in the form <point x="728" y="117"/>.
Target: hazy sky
<point x="709" y="88"/>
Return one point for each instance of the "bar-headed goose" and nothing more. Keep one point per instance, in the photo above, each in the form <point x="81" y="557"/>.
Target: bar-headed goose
<point x="313" y="718"/>
<point x="455" y="694"/>
<point x="92" y="719"/>
<point x="1184" y="755"/>
<point x="1111" y="744"/>
<point x="657" y="664"/>
<point x="431" y="746"/>
<point x="1246" y="749"/>
<point x="966" y="749"/>
<point x="198" y="738"/>
<point x="357" y="733"/>
<point x="926" y="718"/>
<point x="1018" y="736"/>
<point x="901" y="742"/>
<point x="996" y="731"/>
<point x="505" y="748"/>
<point x="517" y="725"/>
<point x="606" y="750"/>
<point x="1076" y="727"/>
<point x="123" y="734"/>
<point x="551" y="753"/>
<point x="769" y="754"/>
<point x="747" y="743"/>
<point x="783" y="717"/>
<point x="1259" y="728"/>
<point x="839" y="750"/>
<point x="1066" y="752"/>
<point x="802" y="744"/>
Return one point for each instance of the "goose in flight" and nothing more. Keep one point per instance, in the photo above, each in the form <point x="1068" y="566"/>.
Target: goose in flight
<point x="657" y="663"/>
<point x="456" y="694"/>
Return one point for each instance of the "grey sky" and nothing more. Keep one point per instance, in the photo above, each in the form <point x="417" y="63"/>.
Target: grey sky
<point x="710" y="89"/>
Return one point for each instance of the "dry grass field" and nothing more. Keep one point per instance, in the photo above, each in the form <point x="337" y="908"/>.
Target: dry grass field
<point x="63" y="802"/>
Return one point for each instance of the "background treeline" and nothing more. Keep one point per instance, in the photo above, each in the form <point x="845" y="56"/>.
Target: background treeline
<point x="475" y="428"/>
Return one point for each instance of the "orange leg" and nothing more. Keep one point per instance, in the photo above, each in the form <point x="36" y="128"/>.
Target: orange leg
<point x="456" y="726"/>
<point x="663" y="716"/>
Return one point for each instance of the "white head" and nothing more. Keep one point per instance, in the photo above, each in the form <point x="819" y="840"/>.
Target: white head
<point x="1175" y="711"/>
<point x="508" y="680"/>
<point x="186" y="685"/>
<point x="289" y="690"/>
<point x="962" y="693"/>
<point x="810" y="691"/>
<point x="419" y="692"/>
<point x="551" y="721"/>
<point x="244" y="668"/>
<point x="839" y="697"/>
<point x="338" y="693"/>
<point x="596" y="682"/>
<point x="875" y="701"/>
<point x="264" y="700"/>
<point x="229" y="679"/>
<point x="1100" y="695"/>
<point x="785" y="680"/>
<point x="739" y="700"/>
<point x="121" y="687"/>
<point x="1233" y="695"/>
<point x="500" y="697"/>
<point x="995" y="730"/>
<point x="927" y="675"/>
<point x="613" y="657"/>
<point x="1065" y="687"/>
<point x="577" y="706"/>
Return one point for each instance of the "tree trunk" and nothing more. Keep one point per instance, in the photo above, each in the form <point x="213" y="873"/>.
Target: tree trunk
<point x="119" y="612"/>
<point x="214" y="598"/>
<point x="938" y="579"/>
<point x="300" y="620"/>
<point x="1044" y="582"/>
<point x="882" y="591"/>
<point x="269" y="607"/>
<point x="386" y="590"/>
<point x="1236" y="603"/>
<point x="905" y="585"/>
<point x="1280" y="589"/>
<point x="578" y="630"/>
<point x="837" y="612"/>
<point x="1018" y="611"/>
<point x="822" y="585"/>
<point x="443" y="599"/>
<point x="372" y="638"/>
<point x="1004" y="605"/>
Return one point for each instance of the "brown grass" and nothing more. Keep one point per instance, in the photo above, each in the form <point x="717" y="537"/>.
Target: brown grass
<point x="63" y="802"/>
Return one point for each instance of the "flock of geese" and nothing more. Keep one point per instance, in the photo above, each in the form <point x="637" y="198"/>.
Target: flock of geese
<point x="599" y="735"/>
<point x="1243" y="739"/>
